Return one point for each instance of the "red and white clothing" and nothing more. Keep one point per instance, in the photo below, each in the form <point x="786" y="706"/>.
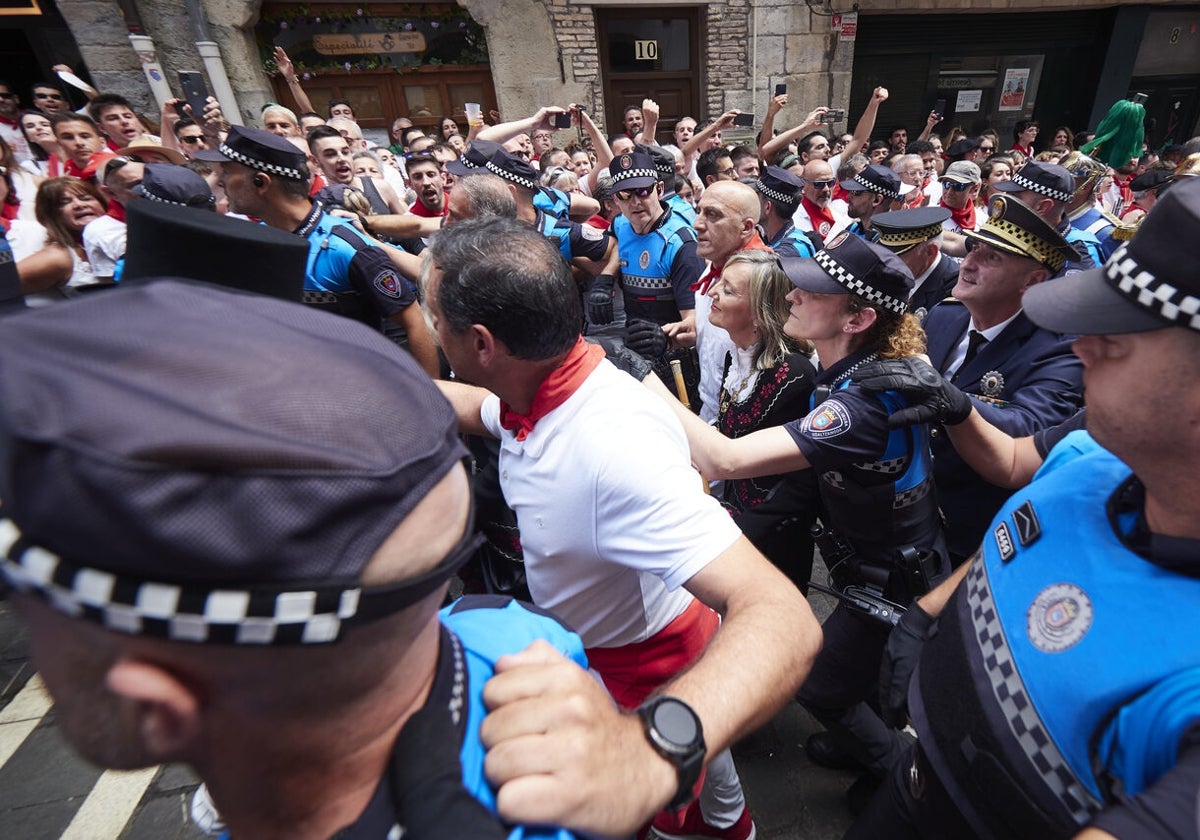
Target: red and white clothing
<point x="10" y="133"/>
<point x="612" y="516"/>
<point x="824" y="220"/>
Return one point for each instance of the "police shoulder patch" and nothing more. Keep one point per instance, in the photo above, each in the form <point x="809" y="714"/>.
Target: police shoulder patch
<point x="389" y="284"/>
<point x="1059" y="617"/>
<point x="829" y="420"/>
<point x="1028" y="526"/>
<point x="1004" y="543"/>
<point x="592" y="233"/>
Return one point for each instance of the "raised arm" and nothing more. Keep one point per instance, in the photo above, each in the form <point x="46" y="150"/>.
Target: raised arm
<point x="866" y="123"/>
<point x="774" y="105"/>
<point x="506" y="131"/>
<point x="288" y="70"/>
<point x="768" y="150"/>
<point x="693" y="146"/>
<point x="467" y="402"/>
<point x="933" y="119"/>
<point x="650" y="116"/>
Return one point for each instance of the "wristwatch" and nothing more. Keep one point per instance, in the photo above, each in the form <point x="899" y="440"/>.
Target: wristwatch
<point x="675" y="732"/>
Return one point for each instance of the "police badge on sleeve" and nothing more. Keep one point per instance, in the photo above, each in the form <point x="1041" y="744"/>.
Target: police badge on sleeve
<point x="830" y="420"/>
<point x="389" y="284"/>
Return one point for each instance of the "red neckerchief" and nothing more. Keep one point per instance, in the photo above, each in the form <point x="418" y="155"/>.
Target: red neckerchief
<point x="839" y="193"/>
<point x="1123" y="186"/>
<point x="1025" y="150"/>
<point x="821" y="217"/>
<point x="116" y="210"/>
<point x="8" y="212"/>
<point x="318" y="184"/>
<point x="555" y="389"/>
<point x="714" y="271"/>
<point x="16" y="123"/>
<point x="87" y="173"/>
<point x="964" y="218"/>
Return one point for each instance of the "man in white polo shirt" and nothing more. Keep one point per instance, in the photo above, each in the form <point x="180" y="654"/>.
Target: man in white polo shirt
<point x="619" y="538"/>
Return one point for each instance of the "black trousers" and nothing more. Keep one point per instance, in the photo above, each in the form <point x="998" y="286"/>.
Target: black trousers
<point x="910" y="804"/>
<point x="843" y="684"/>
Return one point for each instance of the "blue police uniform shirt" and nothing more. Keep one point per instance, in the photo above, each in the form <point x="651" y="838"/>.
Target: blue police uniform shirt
<point x="572" y="238"/>
<point x="552" y="201"/>
<point x="680" y="205"/>
<point x="790" y="242"/>
<point x="477" y="630"/>
<point x="1035" y="666"/>
<point x="348" y="274"/>
<point x="658" y="267"/>
<point x="1085" y="244"/>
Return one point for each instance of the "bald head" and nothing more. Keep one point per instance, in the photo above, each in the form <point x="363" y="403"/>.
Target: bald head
<point x="818" y="172"/>
<point x="725" y="220"/>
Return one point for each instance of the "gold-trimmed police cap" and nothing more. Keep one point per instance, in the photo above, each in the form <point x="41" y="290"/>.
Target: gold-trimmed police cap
<point x="1014" y="228"/>
<point x="903" y="230"/>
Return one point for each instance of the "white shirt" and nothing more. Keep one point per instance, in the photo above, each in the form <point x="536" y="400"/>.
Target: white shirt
<point x="104" y="243"/>
<point x="960" y="352"/>
<point x="613" y="518"/>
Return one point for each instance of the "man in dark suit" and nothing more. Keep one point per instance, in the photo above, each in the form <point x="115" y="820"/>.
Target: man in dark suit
<point x="1023" y="377"/>
<point x="916" y="237"/>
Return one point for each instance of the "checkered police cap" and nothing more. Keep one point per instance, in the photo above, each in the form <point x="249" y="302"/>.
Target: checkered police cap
<point x="164" y="183"/>
<point x="1046" y="179"/>
<point x="1147" y="284"/>
<point x="635" y="169"/>
<point x="205" y="465"/>
<point x="259" y="150"/>
<point x="512" y="169"/>
<point x="848" y="264"/>
<point x="877" y="179"/>
<point x="780" y="186"/>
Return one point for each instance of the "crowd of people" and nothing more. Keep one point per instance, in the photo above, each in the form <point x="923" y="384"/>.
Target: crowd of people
<point x="641" y="384"/>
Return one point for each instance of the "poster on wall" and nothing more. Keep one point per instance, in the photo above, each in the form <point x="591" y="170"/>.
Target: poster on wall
<point x="968" y="100"/>
<point x="1012" y="95"/>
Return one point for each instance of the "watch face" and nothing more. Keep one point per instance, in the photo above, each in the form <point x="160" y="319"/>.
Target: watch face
<point x="676" y="722"/>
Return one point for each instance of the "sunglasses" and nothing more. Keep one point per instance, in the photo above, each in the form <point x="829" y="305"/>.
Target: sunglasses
<point x="8" y="96"/>
<point x="987" y="149"/>
<point x="957" y="187"/>
<point x="824" y="185"/>
<point x="57" y="96"/>
<point x="640" y="192"/>
<point x="191" y="140"/>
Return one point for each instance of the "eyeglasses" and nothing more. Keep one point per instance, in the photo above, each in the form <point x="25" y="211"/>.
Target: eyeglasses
<point x="824" y="185"/>
<point x="730" y="172"/>
<point x="987" y="149"/>
<point x="192" y="139"/>
<point x="957" y="187"/>
<point x="640" y="192"/>
<point x="57" y="96"/>
<point x="8" y="96"/>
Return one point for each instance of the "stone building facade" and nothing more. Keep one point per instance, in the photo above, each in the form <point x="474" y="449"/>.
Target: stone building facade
<point x="558" y="51"/>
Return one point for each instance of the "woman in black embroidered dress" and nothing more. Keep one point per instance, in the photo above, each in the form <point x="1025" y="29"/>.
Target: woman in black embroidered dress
<point x="767" y="380"/>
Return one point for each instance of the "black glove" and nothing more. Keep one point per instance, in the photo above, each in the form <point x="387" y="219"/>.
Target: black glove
<point x="632" y="363"/>
<point x="900" y="657"/>
<point x="646" y="338"/>
<point x="599" y="299"/>
<point x="934" y="398"/>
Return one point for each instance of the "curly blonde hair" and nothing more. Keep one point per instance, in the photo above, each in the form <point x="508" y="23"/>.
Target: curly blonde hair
<point x="892" y="336"/>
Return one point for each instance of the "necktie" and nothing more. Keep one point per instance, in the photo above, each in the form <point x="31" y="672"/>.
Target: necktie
<point x="975" y="340"/>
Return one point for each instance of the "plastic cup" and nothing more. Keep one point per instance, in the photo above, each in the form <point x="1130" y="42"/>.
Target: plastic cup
<point x="474" y="113"/>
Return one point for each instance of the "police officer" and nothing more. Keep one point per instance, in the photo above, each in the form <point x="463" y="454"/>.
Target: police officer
<point x="267" y="177"/>
<point x="586" y="245"/>
<point x="1023" y="377"/>
<point x="1047" y="188"/>
<point x="915" y="236"/>
<point x="664" y="165"/>
<point x="659" y="265"/>
<point x="1038" y="711"/>
<point x="871" y="191"/>
<point x="203" y="585"/>
<point x="875" y="484"/>
<point x="780" y="193"/>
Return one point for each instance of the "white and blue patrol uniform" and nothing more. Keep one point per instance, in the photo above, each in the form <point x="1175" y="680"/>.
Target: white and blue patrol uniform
<point x="572" y="238"/>
<point x="792" y="243"/>
<point x="349" y="275"/>
<point x="658" y="267"/>
<point x="1035" y="704"/>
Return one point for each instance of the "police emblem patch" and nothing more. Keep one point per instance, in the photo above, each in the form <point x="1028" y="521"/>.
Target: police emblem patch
<point x="992" y="383"/>
<point x="837" y="240"/>
<point x="920" y="313"/>
<point x="590" y="233"/>
<point x="644" y="259"/>
<point x="824" y="229"/>
<point x="626" y="162"/>
<point x="388" y="284"/>
<point x="997" y="207"/>
<point x="1059" y="617"/>
<point x="830" y="420"/>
